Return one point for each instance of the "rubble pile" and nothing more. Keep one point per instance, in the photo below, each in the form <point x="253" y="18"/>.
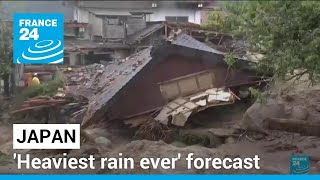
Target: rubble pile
<point x="39" y="103"/>
<point x="81" y="81"/>
<point x="53" y="108"/>
<point x="289" y="110"/>
<point x="80" y="76"/>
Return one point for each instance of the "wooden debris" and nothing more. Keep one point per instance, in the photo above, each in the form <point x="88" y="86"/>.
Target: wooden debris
<point x="153" y="130"/>
<point x="78" y="112"/>
<point x="28" y="109"/>
<point x="39" y="103"/>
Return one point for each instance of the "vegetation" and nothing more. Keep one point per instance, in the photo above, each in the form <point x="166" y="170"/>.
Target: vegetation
<point x="287" y="33"/>
<point x="49" y="88"/>
<point x="5" y="55"/>
<point x="230" y="59"/>
<point x="216" y="21"/>
<point x="257" y="95"/>
<point x="4" y="159"/>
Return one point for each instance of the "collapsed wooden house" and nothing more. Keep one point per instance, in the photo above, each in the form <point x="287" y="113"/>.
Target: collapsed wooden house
<point x="178" y="76"/>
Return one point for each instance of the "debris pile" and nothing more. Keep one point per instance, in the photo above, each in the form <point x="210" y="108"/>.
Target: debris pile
<point x="80" y="82"/>
<point x="153" y="130"/>
<point x="81" y="76"/>
<point x="53" y="107"/>
<point x="39" y="103"/>
<point x="179" y="110"/>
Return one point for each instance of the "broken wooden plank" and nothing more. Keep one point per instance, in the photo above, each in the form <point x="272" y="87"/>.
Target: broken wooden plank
<point x="40" y="97"/>
<point x="234" y="95"/>
<point x="28" y="109"/>
<point x="78" y="112"/>
<point x="45" y="101"/>
<point x="293" y="125"/>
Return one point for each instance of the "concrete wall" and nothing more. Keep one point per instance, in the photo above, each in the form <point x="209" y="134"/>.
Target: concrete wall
<point x="159" y="14"/>
<point x="114" y="31"/>
<point x="73" y="59"/>
<point x="97" y="25"/>
<point x="135" y="25"/>
<point x="81" y="15"/>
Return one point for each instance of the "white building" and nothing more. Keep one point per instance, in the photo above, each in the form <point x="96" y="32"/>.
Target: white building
<point x="178" y="11"/>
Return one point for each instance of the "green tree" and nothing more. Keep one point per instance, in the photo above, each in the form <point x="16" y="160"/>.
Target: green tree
<point x="216" y="20"/>
<point x="287" y="33"/>
<point x="5" y="55"/>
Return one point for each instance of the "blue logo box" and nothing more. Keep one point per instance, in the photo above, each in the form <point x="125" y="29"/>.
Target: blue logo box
<point x="299" y="164"/>
<point x="38" y="38"/>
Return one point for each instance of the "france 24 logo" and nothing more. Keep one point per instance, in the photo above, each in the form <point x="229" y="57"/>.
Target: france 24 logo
<point x="38" y="38"/>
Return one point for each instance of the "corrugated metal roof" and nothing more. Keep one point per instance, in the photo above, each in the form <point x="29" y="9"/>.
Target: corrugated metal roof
<point x="188" y="41"/>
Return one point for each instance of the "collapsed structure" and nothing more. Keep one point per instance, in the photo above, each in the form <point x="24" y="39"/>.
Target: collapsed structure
<point x="179" y="70"/>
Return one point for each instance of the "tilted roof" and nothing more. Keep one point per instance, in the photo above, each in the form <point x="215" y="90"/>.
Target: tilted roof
<point x="118" y="75"/>
<point x="188" y="41"/>
<point x="144" y="33"/>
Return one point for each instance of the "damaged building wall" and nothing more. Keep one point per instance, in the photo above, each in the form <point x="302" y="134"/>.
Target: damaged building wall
<point x="135" y="24"/>
<point x="97" y="26"/>
<point x="145" y="95"/>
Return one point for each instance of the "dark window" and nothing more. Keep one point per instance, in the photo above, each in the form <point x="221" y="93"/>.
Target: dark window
<point x="177" y="18"/>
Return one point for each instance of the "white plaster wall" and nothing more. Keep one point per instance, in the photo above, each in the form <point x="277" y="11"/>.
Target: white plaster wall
<point x="81" y="15"/>
<point x="73" y="59"/>
<point x="159" y="14"/>
<point x="198" y="17"/>
<point x="97" y="25"/>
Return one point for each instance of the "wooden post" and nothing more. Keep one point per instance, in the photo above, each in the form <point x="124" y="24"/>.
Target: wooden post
<point x="166" y="30"/>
